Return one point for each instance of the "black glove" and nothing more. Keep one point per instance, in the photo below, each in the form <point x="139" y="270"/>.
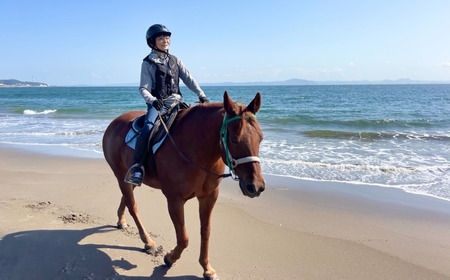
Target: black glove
<point x="203" y="99"/>
<point x="157" y="104"/>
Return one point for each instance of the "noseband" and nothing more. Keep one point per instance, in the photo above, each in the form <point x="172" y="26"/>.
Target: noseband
<point x="232" y="163"/>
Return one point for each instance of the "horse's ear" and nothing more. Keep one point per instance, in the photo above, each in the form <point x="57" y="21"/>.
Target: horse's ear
<point x="229" y="105"/>
<point x="255" y="105"/>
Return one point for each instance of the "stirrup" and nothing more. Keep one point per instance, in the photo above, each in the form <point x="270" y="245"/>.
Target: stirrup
<point x="129" y="181"/>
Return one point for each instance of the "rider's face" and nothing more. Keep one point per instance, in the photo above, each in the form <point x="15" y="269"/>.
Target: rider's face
<point x="163" y="42"/>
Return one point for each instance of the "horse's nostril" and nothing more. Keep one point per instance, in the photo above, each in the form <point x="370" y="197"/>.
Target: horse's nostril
<point x="251" y="188"/>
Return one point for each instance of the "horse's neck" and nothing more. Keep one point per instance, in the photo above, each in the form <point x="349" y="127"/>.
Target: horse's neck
<point x="202" y="125"/>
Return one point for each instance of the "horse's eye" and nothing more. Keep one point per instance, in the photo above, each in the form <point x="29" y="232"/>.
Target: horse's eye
<point x="234" y="140"/>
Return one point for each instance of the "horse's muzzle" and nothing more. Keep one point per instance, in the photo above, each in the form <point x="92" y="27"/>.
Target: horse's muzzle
<point x="251" y="189"/>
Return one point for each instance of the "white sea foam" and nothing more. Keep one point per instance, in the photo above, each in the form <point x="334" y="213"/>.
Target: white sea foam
<point x="399" y="166"/>
<point x="32" y="112"/>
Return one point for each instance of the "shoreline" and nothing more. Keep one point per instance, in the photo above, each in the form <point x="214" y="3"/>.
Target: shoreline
<point x="65" y="208"/>
<point x="70" y="152"/>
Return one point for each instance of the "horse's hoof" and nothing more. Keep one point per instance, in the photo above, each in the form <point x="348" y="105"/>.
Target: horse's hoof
<point x="122" y="225"/>
<point x="151" y="250"/>
<point x="166" y="261"/>
<point x="211" y="277"/>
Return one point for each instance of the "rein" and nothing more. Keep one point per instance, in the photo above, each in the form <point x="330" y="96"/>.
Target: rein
<point x="231" y="162"/>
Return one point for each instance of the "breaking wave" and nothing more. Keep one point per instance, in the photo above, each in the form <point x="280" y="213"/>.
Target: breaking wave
<point x="32" y="112"/>
<point x="331" y="134"/>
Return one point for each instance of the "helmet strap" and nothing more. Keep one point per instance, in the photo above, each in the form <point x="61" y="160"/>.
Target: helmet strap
<point x="155" y="48"/>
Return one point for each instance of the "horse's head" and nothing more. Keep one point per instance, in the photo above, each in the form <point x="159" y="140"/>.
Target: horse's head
<point x="241" y="137"/>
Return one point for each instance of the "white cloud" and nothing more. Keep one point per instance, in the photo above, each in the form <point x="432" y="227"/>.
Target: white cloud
<point x="239" y="68"/>
<point x="95" y="75"/>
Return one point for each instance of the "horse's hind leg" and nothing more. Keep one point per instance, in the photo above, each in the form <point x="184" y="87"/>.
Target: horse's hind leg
<point x="129" y="201"/>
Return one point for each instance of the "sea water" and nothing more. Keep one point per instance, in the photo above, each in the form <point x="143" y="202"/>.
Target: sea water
<point x="387" y="135"/>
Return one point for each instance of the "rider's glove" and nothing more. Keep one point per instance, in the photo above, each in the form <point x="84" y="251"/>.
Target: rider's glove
<point x="203" y="99"/>
<point x="157" y="104"/>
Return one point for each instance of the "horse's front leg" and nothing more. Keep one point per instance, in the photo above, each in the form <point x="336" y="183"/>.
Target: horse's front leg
<point x="206" y="205"/>
<point x="121" y="224"/>
<point x="176" y="211"/>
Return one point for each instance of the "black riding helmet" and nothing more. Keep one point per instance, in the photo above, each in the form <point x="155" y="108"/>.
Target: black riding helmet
<point x="154" y="31"/>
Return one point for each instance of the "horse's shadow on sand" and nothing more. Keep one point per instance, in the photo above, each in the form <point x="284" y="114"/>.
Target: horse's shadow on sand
<point x="56" y="254"/>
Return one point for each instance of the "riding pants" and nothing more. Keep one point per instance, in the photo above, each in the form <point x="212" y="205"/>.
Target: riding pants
<point x="142" y="140"/>
<point x="150" y="119"/>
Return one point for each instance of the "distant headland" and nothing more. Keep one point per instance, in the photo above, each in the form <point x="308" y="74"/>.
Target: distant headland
<point x="17" y="83"/>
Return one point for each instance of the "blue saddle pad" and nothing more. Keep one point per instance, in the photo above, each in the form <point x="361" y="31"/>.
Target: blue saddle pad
<point x="158" y="133"/>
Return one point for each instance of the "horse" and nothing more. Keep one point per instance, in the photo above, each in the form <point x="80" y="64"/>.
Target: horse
<point x="204" y="139"/>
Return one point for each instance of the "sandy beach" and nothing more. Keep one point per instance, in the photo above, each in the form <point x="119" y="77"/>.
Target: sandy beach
<point x="58" y="217"/>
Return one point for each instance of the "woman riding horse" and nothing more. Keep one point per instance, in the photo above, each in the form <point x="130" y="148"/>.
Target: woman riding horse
<point x="160" y="74"/>
<point x="204" y="138"/>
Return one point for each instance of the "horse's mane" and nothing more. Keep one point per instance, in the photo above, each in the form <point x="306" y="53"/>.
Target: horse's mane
<point x="209" y="109"/>
<point x="206" y="109"/>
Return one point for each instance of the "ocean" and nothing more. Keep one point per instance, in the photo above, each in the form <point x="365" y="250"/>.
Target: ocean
<point x="385" y="135"/>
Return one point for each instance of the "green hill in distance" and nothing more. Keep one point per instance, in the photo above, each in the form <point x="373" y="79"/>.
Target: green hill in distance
<point x="17" y="83"/>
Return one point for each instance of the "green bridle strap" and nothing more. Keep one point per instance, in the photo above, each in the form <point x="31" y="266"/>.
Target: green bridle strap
<point x="227" y="120"/>
<point x="232" y="163"/>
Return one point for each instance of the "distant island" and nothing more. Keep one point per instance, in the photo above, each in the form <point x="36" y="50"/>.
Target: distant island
<point x="17" y="83"/>
<point x="298" y="82"/>
<point x="301" y="82"/>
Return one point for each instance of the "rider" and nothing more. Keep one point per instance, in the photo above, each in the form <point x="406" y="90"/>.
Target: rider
<point x="160" y="74"/>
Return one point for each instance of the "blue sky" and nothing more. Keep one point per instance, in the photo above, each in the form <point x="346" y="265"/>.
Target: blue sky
<point x="103" y="42"/>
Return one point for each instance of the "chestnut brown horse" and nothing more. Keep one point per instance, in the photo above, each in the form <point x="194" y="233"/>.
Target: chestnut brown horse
<point x="204" y="138"/>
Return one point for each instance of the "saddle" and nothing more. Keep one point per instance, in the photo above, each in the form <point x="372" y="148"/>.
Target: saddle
<point x="158" y="133"/>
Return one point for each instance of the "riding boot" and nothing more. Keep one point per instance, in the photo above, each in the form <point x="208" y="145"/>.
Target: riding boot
<point x="137" y="169"/>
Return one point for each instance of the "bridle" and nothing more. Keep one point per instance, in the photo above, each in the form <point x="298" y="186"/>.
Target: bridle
<point x="232" y="163"/>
